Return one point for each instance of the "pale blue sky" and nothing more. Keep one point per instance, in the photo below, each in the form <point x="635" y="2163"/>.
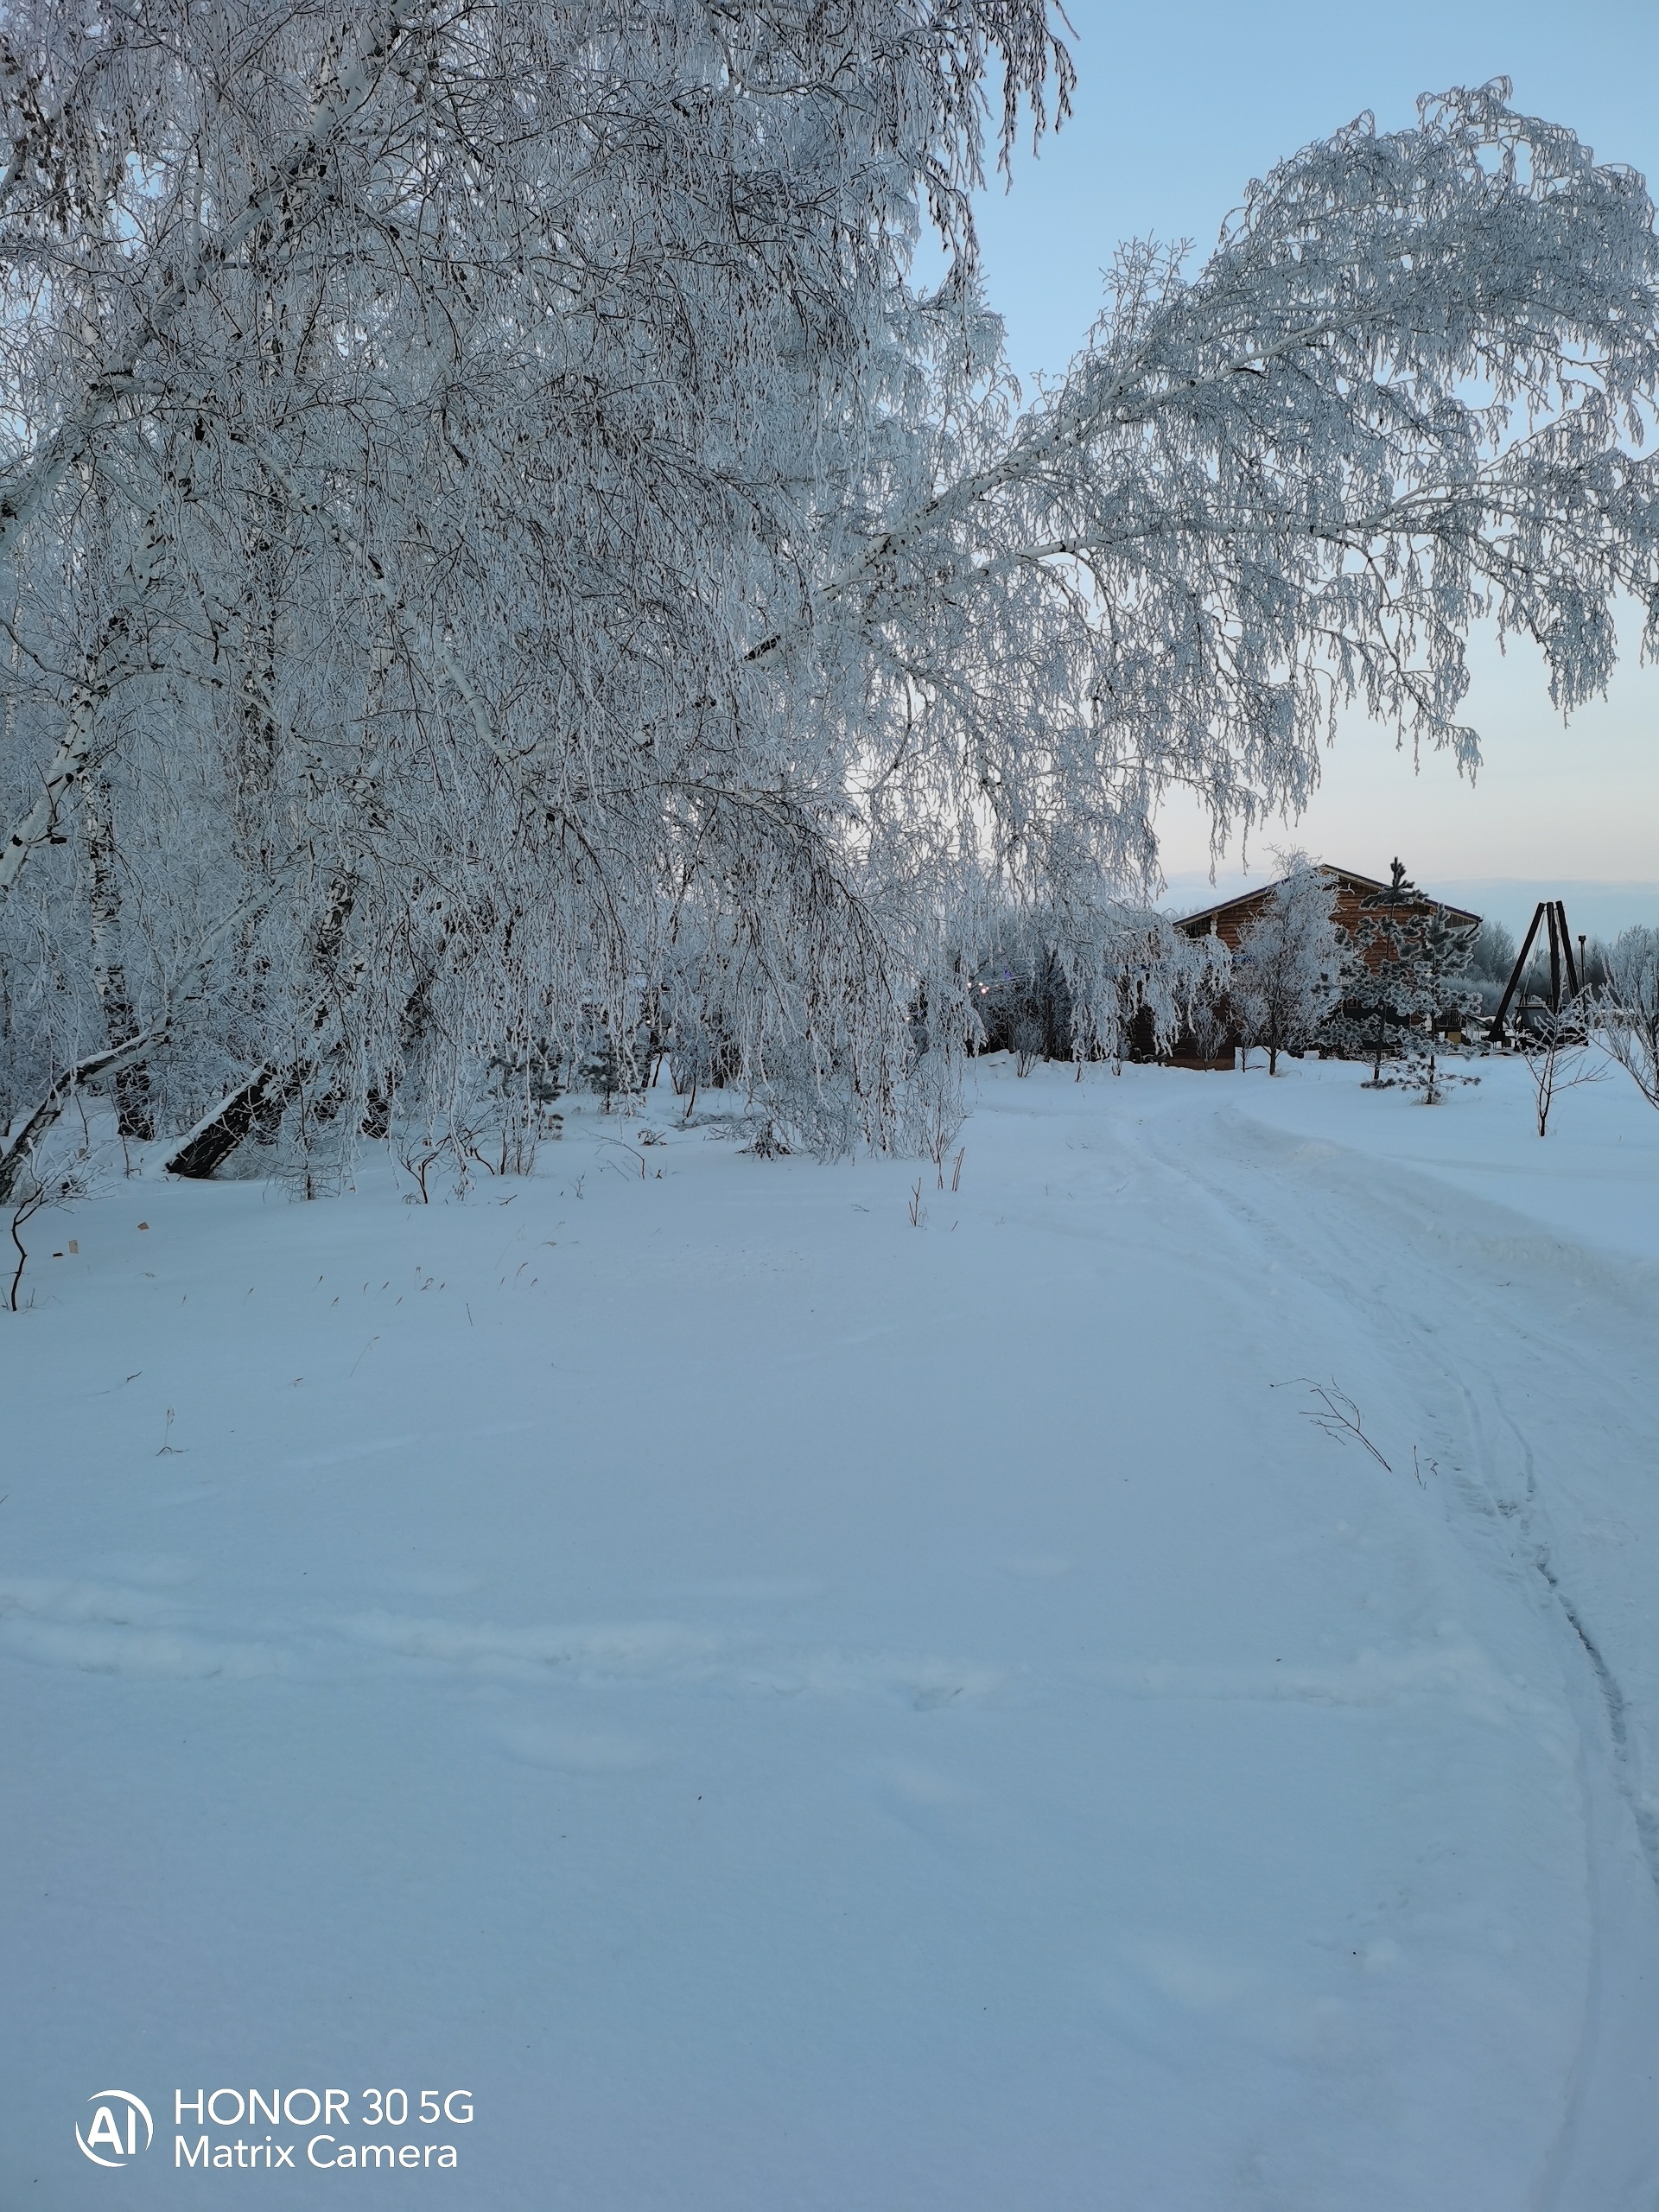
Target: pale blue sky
<point x="1179" y="104"/>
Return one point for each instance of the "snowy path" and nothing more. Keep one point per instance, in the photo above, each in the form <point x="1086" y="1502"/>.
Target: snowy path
<point x="1533" y="1377"/>
<point x="792" y="1709"/>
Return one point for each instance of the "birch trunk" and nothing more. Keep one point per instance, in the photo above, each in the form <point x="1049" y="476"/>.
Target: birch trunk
<point x="121" y="1024"/>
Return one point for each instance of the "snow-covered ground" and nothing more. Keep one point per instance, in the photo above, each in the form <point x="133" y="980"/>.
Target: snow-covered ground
<point x="792" y="1708"/>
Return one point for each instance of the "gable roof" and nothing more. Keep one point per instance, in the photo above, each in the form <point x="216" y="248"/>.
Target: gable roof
<point x="1358" y="886"/>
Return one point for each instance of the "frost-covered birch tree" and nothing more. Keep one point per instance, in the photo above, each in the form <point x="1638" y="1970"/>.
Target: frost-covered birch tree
<point x="1291" y="963"/>
<point x="501" y="561"/>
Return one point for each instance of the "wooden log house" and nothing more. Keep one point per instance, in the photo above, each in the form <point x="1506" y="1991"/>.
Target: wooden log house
<point x="1354" y="905"/>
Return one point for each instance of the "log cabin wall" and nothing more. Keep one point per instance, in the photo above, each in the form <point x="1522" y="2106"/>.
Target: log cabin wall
<point x="1230" y="920"/>
<point x="1350" y="911"/>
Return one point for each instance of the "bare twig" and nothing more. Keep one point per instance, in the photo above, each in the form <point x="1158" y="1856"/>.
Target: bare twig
<point x="1337" y="1414"/>
<point x="31" y="1204"/>
<point x="1555" y="1058"/>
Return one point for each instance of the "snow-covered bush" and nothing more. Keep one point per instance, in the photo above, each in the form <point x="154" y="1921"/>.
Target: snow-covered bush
<point x="1627" y="1007"/>
<point x="1022" y="997"/>
<point x="1111" y="981"/>
<point x="1209" y="1023"/>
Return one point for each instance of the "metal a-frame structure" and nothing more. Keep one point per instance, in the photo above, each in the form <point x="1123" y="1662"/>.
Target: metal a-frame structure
<point x="1551" y="915"/>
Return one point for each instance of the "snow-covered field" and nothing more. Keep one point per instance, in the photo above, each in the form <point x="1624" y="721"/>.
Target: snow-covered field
<point x="791" y="1708"/>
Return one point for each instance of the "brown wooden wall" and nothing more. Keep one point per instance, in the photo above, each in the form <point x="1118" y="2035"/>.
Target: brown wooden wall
<point x="1349" y="913"/>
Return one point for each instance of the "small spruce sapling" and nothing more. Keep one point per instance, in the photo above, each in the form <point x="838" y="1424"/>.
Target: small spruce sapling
<point x="1411" y="977"/>
<point x="1384" y="947"/>
<point x="1435" y="987"/>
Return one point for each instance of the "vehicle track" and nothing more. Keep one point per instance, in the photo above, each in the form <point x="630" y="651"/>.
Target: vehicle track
<point x="1461" y="1382"/>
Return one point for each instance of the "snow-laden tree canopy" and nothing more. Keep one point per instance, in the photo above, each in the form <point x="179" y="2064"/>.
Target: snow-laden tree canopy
<point x="498" y="553"/>
<point x="1291" y="962"/>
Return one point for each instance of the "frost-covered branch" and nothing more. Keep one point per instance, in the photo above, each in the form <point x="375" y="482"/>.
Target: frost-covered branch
<point x="1408" y="389"/>
<point x="299" y="174"/>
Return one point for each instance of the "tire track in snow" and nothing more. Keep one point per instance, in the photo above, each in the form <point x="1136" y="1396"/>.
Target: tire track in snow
<point x="1527" y="1513"/>
<point x="1616" y="1705"/>
<point x="1606" y="2153"/>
